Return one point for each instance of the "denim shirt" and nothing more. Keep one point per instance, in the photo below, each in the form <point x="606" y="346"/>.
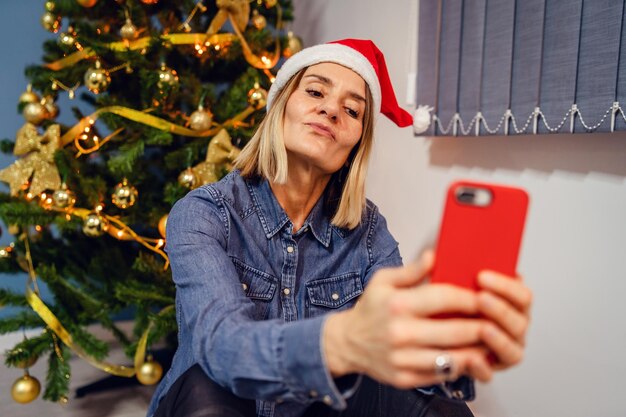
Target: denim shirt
<point x="252" y="296"/>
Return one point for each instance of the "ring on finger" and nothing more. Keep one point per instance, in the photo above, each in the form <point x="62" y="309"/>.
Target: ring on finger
<point x="444" y="366"/>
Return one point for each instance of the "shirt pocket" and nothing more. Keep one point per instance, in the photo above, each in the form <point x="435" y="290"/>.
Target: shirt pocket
<point x="333" y="293"/>
<point x="258" y="286"/>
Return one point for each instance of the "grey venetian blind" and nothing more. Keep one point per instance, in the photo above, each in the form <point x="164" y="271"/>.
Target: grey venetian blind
<point x="522" y="66"/>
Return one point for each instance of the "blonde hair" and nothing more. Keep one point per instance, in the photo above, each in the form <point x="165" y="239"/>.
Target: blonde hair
<point x="265" y="156"/>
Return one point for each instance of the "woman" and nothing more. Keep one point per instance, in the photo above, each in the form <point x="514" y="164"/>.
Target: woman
<point x="269" y="264"/>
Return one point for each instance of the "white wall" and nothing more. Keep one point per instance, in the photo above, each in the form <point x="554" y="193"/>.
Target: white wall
<point x="574" y="249"/>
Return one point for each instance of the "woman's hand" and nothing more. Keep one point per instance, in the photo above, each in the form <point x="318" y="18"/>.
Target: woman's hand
<point x="391" y="336"/>
<point x="506" y="302"/>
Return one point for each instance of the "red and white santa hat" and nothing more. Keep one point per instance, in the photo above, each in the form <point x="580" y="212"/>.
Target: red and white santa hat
<point x="361" y="56"/>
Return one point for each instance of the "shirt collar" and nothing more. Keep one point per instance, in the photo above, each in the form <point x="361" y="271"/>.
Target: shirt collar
<point x="273" y="218"/>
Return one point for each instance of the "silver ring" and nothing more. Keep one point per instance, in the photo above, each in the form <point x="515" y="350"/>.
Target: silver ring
<point x="444" y="366"/>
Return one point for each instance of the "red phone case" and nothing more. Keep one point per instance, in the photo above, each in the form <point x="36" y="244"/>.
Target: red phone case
<point x="473" y="238"/>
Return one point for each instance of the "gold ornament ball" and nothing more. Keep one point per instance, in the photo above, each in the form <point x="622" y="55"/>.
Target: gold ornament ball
<point x="188" y="179"/>
<point x="124" y="195"/>
<point x="87" y="3"/>
<point x="257" y="97"/>
<point x="95" y="225"/>
<point x="167" y="78"/>
<point x="258" y="21"/>
<point x="294" y="45"/>
<point x="67" y="39"/>
<point x="150" y="372"/>
<point x="34" y="113"/>
<point x="97" y="79"/>
<point x="201" y="119"/>
<point x="25" y="389"/>
<point x="63" y="199"/>
<point x="29" y="96"/>
<point x="162" y="226"/>
<point x="129" y="31"/>
<point x="27" y="363"/>
<point x="50" y="6"/>
<point x="51" y="22"/>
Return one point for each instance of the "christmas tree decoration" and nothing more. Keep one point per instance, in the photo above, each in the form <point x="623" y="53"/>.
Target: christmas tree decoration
<point x="150" y="372"/>
<point x="149" y="143"/>
<point x="258" y="20"/>
<point x="257" y="96"/>
<point x="97" y="79"/>
<point x="95" y="225"/>
<point x="129" y="31"/>
<point x="162" y="225"/>
<point x="201" y="119"/>
<point x="64" y="198"/>
<point x="188" y="179"/>
<point x="51" y="21"/>
<point x="124" y="195"/>
<point x="38" y="163"/>
<point x="294" y="45"/>
<point x="29" y="96"/>
<point x="87" y="3"/>
<point x="50" y="107"/>
<point x="35" y="113"/>
<point x="168" y="78"/>
<point x="25" y="389"/>
<point x="68" y="38"/>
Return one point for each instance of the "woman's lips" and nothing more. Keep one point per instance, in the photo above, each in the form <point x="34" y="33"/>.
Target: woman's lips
<point x="322" y="129"/>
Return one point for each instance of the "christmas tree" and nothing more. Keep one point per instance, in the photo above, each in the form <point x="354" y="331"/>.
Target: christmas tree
<point x="177" y="88"/>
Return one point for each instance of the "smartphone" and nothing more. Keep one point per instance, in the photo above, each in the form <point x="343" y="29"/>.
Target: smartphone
<point x="481" y="228"/>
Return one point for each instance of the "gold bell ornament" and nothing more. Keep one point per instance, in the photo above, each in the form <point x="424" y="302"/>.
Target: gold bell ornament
<point x="129" y="31"/>
<point x="52" y="110"/>
<point x="257" y="96"/>
<point x="201" y="119"/>
<point x="168" y="78"/>
<point x="124" y="195"/>
<point x="25" y="389"/>
<point x="294" y="45"/>
<point x="50" y="20"/>
<point x="29" y="96"/>
<point x="97" y="79"/>
<point x="64" y="198"/>
<point x="162" y="226"/>
<point x="258" y="20"/>
<point x="95" y="225"/>
<point x="188" y="179"/>
<point x="150" y="372"/>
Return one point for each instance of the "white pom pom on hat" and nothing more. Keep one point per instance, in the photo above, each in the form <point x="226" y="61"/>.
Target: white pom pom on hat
<point x="361" y="56"/>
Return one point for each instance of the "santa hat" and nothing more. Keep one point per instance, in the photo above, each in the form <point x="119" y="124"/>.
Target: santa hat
<point x="362" y="57"/>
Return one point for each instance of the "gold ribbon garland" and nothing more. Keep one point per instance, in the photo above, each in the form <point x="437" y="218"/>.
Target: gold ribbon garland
<point x="54" y="324"/>
<point x="37" y="163"/>
<point x="150" y="120"/>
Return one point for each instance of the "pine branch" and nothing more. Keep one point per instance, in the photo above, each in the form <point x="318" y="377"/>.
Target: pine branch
<point x="123" y="164"/>
<point x="23" y="213"/>
<point x="58" y="377"/>
<point x="28" y="350"/>
<point x="22" y="320"/>
<point x="11" y="298"/>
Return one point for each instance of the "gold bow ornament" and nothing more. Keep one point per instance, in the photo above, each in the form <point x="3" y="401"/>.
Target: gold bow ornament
<point x="238" y="9"/>
<point x="220" y="154"/>
<point x="37" y="162"/>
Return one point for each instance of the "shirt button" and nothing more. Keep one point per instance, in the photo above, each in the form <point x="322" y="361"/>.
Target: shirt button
<point x="327" y="400"/>
<point x="335" y="296"/>
<point x="458" y="394"/>
<point x="286" y="291"/>
<point x="245" y="287"/>
<point x="313" y="393"/>
<point x="289" y="249"/>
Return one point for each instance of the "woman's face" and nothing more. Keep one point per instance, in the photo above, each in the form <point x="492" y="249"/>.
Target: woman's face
<point x="324" y="117"/>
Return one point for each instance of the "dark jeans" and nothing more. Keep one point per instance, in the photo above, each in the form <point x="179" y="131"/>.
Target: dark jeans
<point x="195" y="395"/>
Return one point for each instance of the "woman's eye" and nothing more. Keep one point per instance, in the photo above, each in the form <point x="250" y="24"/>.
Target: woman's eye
<point x="352" y="113"/>
<point x="314" y="93"/>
